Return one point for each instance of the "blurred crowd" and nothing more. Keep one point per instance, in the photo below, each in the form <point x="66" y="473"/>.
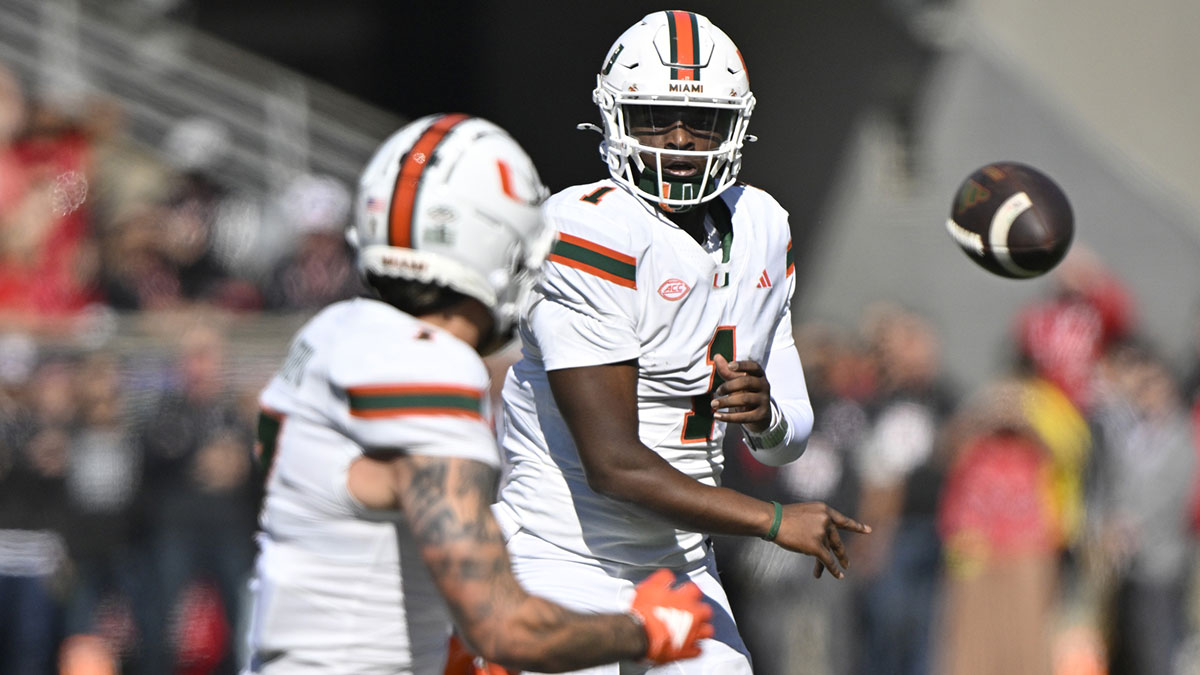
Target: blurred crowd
<point x="1043" y="522"/>
<point x="91" y="222"/>
<point x="127" y="491"/>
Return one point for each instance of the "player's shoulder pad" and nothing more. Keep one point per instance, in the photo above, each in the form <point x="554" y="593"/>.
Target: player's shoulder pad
<point x="757" y="206"/>
<point x="759" y="201"/>
<point x="383" y="348"/>
<point x="601" y="230"/>
<point x="602" y="210"/>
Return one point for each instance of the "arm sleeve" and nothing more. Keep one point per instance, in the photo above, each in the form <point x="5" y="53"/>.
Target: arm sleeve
<point x="791" y="411"/>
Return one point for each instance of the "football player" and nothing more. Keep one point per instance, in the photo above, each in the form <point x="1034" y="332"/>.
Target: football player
<point x="662" y="317"/>
<point x="379" y="454"/>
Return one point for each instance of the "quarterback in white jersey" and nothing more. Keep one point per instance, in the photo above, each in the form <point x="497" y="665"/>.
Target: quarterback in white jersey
<point x="663" y="315"/>
<point x="380" y="461"/>
<point x="625" y="285"/>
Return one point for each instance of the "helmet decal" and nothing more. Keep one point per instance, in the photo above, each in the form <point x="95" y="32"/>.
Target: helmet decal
<point x="506" y="185"/>
<point x="412" y="169"/>
<point x="685" y="45"/>
<point x="612" y="59"/>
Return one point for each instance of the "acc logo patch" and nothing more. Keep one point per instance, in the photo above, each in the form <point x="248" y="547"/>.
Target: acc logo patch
<point x="673" y="289"/>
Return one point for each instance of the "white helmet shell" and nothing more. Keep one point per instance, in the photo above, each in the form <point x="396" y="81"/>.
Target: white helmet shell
<point x="453" y="200"/>
<point x="673" y="58"/>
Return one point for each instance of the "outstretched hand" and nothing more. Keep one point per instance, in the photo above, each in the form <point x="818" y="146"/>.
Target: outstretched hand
<point x="745" y="395"/>
<point x="812" y="528"/>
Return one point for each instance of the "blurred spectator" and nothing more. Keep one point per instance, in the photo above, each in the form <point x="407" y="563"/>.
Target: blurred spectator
<point x="319" y="271"/>
<point x="1001" y="540"/>
<point x="188" y="239"/>
<point x="197" y="145"/>
<point x="135" y="272"/>
<point x="1066" y="435"/>
<point x="32" y="516"/>
<point x="1139" y="515"/>
<point x="1191" y="383"/>
<point x="1191" y="396"/>
<point x="198" y="496"/>
<point x="47" y="255"/>
<point x="793" y="623"/>
<point x="160" y="250"/>
<point x="214" y="233"/>
<point x="101" y="479"/>
<point x="1064" y="336"/>
<point x="897" y="567"/>
<point x="12" y="123"/>
<point x="841" y="379"/>
<point x="18" y="357"/>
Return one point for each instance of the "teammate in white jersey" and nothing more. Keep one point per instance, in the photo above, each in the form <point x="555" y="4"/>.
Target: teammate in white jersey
<point x="662" y="316"/>
<point x="380" y="458"/>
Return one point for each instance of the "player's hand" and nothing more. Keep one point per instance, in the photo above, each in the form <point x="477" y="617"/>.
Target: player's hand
<point x="812" y="528"/>
<point x="675" y="619"/>
<point x="744" y="397"/>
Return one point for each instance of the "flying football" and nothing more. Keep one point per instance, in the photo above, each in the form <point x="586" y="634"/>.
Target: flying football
<point x="1012" y="220"/>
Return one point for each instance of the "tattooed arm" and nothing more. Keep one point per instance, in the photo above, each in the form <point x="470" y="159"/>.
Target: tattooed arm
<point x="446" y="502"/>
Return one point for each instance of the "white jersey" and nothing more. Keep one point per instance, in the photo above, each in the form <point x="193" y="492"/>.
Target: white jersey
<point x="623" y="283"/>
<point x="340" y="589"/>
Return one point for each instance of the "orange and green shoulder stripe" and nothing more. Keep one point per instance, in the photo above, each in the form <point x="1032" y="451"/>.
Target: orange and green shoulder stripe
<point x="400" y="400"/>
<point x="791" y="260"/>
<point x="592" y="258"/>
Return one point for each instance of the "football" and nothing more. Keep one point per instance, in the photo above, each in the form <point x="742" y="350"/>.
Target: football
<point x="1012" y="220"/>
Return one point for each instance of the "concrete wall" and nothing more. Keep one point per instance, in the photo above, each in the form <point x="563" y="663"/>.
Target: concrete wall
<point x="1127" y="71"/>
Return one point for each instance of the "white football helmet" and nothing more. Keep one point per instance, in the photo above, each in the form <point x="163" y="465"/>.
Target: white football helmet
<point x="674" y="59"/>
<point x="453" y="200"/>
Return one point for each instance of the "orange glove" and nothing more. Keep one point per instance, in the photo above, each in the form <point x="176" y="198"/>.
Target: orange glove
<point x="460" y="661"/>
<point x="675" y="619"/>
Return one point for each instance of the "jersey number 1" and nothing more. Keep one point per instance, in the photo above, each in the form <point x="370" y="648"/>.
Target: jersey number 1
<point x="698" y="424"/>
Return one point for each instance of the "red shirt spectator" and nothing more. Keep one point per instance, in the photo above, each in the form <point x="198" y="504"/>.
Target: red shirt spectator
<point x="46" y="257"/>
<point x="1064" y="337"/>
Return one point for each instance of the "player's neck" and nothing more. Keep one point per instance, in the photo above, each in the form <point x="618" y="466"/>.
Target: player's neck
<point x="468" y="320"/>
<point x="690" y="221"/>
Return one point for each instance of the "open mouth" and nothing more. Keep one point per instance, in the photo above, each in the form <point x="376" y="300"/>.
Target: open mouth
<point x="680" y="168"/>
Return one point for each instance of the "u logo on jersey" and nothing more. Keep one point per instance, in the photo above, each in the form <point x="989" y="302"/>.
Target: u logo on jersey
<point x="673" y="289"/>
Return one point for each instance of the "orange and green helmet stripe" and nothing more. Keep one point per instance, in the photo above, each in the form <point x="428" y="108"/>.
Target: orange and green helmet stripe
<point x="398" y="400"/>
<point x="597" y="260"/>
<point x="685" y="45"/>
<point x="408" y="180"/>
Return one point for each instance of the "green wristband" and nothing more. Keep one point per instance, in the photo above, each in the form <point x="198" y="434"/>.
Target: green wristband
<point x="770" y="535"/>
